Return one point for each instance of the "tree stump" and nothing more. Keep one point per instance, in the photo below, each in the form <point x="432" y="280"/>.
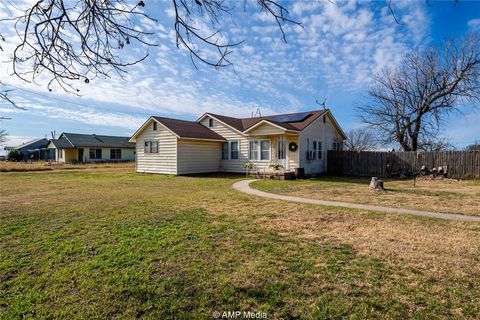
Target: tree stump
<point x="376" y="184"/>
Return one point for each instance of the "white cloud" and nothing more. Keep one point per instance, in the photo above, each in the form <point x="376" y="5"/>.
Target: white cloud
<point x="474" y="24"/>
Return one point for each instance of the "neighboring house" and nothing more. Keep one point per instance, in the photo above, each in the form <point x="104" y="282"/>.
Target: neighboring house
<point x="219" y="143"/>
<point x="33" y="150"/>
<point x="74" y="147"/>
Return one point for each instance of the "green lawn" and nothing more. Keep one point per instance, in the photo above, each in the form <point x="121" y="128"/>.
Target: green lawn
<point x="115" y="244"/>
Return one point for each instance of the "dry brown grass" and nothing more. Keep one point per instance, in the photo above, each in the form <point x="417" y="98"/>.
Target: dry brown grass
<point x="7" y="166"/>
<point x="450" y="196"/>
<point x="297" y="251"/>
<point x="436" y="247"/>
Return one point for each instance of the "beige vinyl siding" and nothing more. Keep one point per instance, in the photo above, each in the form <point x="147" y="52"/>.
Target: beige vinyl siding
<point x="265" y="130"/>
<point x="293" y="157"/>
<point x="230" y="134"/>
<point x="324" y="132"/>
<point x="197" y="156"/>
<point x="165" y="161"/>
<point x="237" y="165"/>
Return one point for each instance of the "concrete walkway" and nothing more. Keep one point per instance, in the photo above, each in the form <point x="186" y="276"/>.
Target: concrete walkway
<point x="244" y="186"/>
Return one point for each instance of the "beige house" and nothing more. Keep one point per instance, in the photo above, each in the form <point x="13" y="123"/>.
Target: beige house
<point x="75" y="147"/>
<point x="217" y="143"/>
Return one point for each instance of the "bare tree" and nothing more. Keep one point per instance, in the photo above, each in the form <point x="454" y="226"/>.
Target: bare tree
<point x="408" y="104"/>
<point x="473" y="147"/>
<point x="79" y="40"/>
<point x="435" y="144"/>
<point x="359" y="139"/>
<point x="4" y="95"/>
<point x="3" y="135"/>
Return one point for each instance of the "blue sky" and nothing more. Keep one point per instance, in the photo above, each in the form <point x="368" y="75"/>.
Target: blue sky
<point x="333" y="57"/>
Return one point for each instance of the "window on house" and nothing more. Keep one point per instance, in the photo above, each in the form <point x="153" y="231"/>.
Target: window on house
<point x="259" y="150"/>
<point x="154" y="126"/>
<point x="95" y="153"/>
<point x="60" y="153"/>
<point x="315" y="151"/>
<point x="150" y="146"/>
<point x="265" y="150"/>
<point x="225" y="151"/>
<point x="254" y="146"/>
<point x="319" y="146"/>
<point x="231" y="150"/>
<point x="210" y="123"/>
<point x="116" y="154"/>
<point x="234" y="150"/>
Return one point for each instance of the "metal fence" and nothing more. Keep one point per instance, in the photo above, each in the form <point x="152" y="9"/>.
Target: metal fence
<point x="460" y="164"/>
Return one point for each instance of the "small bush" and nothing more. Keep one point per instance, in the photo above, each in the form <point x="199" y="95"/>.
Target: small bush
<point x="14" y="155"/>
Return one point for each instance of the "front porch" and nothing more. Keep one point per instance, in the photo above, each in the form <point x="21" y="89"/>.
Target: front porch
<point x="283" y="153"/>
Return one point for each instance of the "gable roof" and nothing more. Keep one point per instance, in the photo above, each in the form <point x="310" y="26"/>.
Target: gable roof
<point x="243" y="124"/>
<point x="182" y="129"/>
<point x="189" y="129"/>
<point x="77" y="140"/>
<point x="36" y="143"/>
<point x="296" y="122"/>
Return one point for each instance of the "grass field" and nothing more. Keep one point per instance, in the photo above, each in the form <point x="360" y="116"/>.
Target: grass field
<point x="114" y="244"/>
<point x="450" y="196"/>
<point x="8" y="166"/>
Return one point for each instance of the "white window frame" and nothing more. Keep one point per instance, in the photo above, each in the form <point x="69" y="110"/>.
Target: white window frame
<point x="229" y="150"/>
<point x="95" y="153"/>
<point x="210" y="122"/>
<point x="60" y="153"/>
<point x="224" y="156"/>
<point x="317" y="152"/>
<point x="259" y="149"/>
<point x="148" y="146"/>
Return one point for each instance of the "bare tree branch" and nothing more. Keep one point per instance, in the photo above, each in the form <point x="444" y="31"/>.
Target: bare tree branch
<point x="360" y="139"/>
<point x="408" y="104"/>
<point x="3" y="136"/>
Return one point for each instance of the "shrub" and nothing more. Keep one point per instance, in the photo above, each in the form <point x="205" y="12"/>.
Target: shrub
<point x="14" y="155"/>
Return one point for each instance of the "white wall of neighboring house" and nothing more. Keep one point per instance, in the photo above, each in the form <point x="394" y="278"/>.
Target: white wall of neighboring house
<point x="71" y="155"/>
<point x="127" y="154"/>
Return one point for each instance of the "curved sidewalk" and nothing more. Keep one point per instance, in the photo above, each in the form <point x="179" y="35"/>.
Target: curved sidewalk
<point x="244" y="186"/>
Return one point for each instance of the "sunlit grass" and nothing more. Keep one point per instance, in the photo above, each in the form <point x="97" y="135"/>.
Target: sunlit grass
<point x="450" y="196"/>
<point x="110" y="243"/>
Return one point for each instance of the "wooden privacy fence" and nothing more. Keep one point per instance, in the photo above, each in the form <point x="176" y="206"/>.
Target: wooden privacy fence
<point x="460" y="164"/>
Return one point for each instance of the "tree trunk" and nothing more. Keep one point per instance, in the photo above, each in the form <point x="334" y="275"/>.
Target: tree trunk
<point x="376" y="184"/>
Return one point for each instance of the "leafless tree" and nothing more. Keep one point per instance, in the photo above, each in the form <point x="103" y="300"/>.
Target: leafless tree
<point x="359" y="139"/>
<point x="435" y="144"/>
<point x="408" y="104"/>
<point x="3" y="135"/>
<point x="473" y="147"/>
<point x="4" y="95"/>
<point x="82" y="39"/>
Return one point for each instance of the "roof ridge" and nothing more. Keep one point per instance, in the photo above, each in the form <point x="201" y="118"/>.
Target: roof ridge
<point x="174" y="119"/>
<point x="284" y="114"/>
<point x="93" y="135"/>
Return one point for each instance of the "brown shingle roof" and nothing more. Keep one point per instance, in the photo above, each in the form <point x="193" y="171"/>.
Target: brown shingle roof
<point x="189" y="129"/>
<point x="242" y="124"/>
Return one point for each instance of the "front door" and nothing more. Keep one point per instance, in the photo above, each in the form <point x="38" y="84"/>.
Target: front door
<point x="282" y="153"/>
<point x="80" y="155"/>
